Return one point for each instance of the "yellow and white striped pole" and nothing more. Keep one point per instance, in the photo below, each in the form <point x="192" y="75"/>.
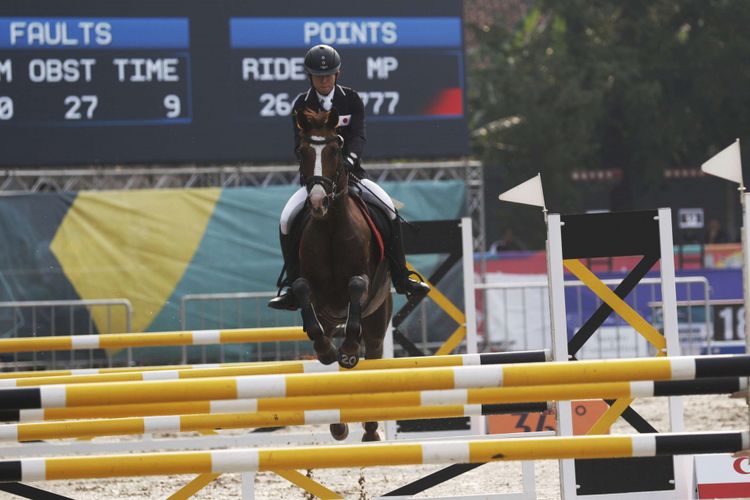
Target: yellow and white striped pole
<point x="310" y="366"/>
<point x="199" y="422"/>
<point x="123" y="340"/>
<point x="481" y="396"/>
<point x="371" y="454"/>
<point x="274" y="412"/>
<point x="300" y="366"/>
<point x="373" y="381"/>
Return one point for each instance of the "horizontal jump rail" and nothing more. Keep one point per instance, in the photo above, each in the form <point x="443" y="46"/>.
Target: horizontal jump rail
<point x="288" y="367"/>
<point x="372" y="454"/>
<point x="503" y="357"/>
<point x="25" y="432"/>
<point x="373" y="381"/>
<point x="495" y="395"/>
<point x="124" y="340"/>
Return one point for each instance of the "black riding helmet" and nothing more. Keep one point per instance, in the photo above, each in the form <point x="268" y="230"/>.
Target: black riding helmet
<point x="322" y="60"/>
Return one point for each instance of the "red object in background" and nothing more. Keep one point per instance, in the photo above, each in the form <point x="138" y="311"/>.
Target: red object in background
<point x="448" y="102"/>
<point x="722" y="476"/>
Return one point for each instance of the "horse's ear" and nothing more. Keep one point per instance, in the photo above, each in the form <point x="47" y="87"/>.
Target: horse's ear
<point x="333" y="119"/>
<point x="301" y="120"/>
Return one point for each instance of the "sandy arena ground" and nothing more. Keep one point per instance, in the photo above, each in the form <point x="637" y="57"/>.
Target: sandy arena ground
<point x="702" y="413"/>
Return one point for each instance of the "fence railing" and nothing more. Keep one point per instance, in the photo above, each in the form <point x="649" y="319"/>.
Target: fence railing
<point x="62" y="317"/>
<point x="249" y="309"/>
<point x="521" y="312"/>
<point x="203" y="311"/>
<point x="515" y="316"/>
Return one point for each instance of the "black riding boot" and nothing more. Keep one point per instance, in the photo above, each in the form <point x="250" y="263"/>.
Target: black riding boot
<point x="400" y="274"/>
<point x="286" y="300"/>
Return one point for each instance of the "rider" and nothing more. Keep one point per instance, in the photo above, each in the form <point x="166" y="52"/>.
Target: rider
<point x="323" y="65"/>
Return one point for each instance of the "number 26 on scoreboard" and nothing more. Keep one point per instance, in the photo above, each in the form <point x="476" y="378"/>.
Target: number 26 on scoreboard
<point x="281" y="104"/>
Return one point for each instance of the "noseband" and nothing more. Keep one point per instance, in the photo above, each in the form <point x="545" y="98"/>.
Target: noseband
<point x="330" y="185"/>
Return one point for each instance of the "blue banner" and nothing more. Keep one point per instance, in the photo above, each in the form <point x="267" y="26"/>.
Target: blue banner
<point x="94" y="33"/>
<point x="299" y="32"/>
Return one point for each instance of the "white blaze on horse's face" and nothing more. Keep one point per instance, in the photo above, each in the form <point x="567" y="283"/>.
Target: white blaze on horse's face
<point x="317" y="194"/>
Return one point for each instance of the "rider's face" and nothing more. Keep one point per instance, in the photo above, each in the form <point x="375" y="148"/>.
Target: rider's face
<point x="324" y="83"/>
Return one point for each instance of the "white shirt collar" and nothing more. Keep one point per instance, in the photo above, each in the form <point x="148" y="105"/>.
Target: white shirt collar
<point x="326" y="100"/>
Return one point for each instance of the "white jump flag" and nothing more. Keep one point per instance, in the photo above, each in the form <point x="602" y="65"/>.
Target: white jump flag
<point x="726" y="164"/>
<point x="529" y="193"/>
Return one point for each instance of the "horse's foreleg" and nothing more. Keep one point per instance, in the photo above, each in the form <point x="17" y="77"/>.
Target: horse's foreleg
<point x="349" y="350"/>
<point x="310" y="324"/>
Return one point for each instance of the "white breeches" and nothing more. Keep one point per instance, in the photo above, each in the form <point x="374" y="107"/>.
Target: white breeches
<point x="369" y="192"/>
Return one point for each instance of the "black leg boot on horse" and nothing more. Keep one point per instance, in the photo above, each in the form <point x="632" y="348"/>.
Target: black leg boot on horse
<point x="400" y="274"/>
<point x="349" y="350"/>
<point x="285" y="300"/>
<point x="311" y="325"/>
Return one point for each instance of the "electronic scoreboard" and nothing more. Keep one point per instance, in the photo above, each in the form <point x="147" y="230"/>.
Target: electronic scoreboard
<point x="200" y="81"/>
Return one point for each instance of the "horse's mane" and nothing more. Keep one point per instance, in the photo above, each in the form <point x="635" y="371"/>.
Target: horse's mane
<point x="316" y="119"/>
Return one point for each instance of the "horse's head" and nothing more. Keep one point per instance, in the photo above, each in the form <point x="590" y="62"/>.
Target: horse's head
<point x="321" y="162"/>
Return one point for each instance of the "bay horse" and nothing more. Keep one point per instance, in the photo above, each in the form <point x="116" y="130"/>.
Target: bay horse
<point x="344" y="282"/>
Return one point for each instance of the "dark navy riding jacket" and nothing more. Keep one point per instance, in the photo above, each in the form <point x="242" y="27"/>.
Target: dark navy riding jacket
<point x="351" y="112"/>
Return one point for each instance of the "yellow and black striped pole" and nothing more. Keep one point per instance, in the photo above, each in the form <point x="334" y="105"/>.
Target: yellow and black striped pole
<point x="373" y="381"/>
<point x="481" y="396"/>
<point x="274" y="412"/>
<point x="378" y="454"/>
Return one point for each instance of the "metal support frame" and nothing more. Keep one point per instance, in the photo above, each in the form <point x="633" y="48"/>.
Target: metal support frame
<point x="53" y="305"/>
<point x="557" y="252"/>
<point x="456" y="242"/>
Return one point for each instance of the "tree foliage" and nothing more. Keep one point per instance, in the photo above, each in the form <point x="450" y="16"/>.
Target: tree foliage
<point x="641" y="85"/>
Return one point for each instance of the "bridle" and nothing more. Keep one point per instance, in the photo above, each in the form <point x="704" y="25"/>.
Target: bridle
<point x="330" y="185"/>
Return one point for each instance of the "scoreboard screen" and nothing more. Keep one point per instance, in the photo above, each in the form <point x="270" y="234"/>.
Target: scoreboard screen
<point x="106" y="82"/>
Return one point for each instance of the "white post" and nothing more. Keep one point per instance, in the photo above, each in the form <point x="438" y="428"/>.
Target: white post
<point x="470" y="308"/>
<point x="559" y="325"/>
<point x="745" y="200"/>
<point x="682" y="470"/>
<point x="390" y="425"/>
<point x="248" y="485"/>
<point x="745" y="231"/>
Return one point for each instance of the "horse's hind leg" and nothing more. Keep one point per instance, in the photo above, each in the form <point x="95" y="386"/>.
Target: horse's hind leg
<point x="322" y="344"/>
<point x="349" y="350"/>
<point x="373" y="329"/>
<point x="371" y="432"/>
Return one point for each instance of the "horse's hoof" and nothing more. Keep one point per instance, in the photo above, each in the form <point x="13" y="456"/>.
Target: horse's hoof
<point x="325" y="351"/>
<point x="368" y="437"/>
<point x="339" y="431"/>
<point x="348" y="361"/>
